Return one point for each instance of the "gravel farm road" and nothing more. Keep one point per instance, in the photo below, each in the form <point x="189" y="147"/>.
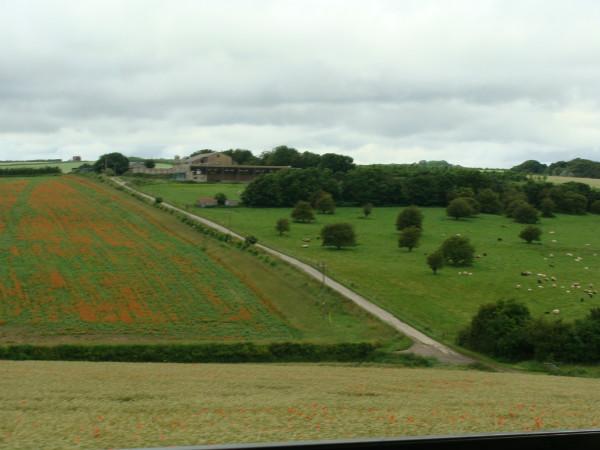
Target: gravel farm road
<point x="422" y="344"/>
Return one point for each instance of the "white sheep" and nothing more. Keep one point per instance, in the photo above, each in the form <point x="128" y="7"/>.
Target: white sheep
<point x="556" y="311"/>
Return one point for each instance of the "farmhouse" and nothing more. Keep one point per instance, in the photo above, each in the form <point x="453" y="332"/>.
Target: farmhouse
<point x="214" y="166"/>
<point x="204" y="202"/>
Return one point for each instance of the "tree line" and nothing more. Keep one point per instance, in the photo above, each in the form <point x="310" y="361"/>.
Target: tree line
<point x="494" y="192"/>
<point x="28" y="171"/>
<point x="578" y="167"/>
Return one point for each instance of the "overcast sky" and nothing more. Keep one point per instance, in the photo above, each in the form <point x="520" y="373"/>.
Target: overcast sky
<point x="477" y="83"/>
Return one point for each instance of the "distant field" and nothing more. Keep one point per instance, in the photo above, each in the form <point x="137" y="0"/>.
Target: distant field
<point x="82" y="261"/>
<point x="65" y="166"/>
<point x="111" y="405"/>
<point x="402" y="283"/>
<point x="594" y="182"/>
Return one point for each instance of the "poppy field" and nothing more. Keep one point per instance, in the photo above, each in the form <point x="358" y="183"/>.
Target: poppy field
<point x="124" y="405"/>
<point x="75" y="261"/>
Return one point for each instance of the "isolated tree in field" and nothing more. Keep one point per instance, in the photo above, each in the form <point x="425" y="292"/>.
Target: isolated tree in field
<point x="531" y="233"/>
<point x="282" y="226"/>
<point x="461" y="207"/>
<point x="409" y="217"/>
<point x="338" y="235"/>
<point x="457" y="250"/>
<point x="409" y="238"/>
<point x="435" y="261"/>
<point x="149" y="163"/>
<point x="114" y="161"/>
<point x="324" y="203"/>
<point x="595" y="207"/>
<point x="303" y="212"/>
<point x="220" y="198"/>
<point x="525" y="213"/>
<point x="367" y="209"/>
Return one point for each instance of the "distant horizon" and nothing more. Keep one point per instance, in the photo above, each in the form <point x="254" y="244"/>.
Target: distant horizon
<point x="479" y="84"/>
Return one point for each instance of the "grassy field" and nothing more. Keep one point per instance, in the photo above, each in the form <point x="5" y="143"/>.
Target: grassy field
<point x="83" y="262"/>
<point x="65" y="166"/>
<point x="593" y="182"/>
<point x="402" y="283"/>
<point x="116" y="405"/>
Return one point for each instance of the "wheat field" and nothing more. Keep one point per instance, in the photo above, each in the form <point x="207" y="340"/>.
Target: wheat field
<point x="58" y="405"/>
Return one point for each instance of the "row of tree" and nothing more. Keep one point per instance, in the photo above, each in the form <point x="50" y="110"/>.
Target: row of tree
<point x="491" y="192"/>
<point x="575" y="168"/>
<point x="28" y="171"/>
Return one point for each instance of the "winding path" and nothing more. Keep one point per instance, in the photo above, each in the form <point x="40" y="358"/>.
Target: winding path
<point x="422" y="345"/>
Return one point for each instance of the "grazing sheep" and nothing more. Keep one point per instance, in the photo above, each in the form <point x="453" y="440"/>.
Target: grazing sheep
<point x="518" y="286"/>
<point x="304" y="246"/>
<point x="556" y="311"/>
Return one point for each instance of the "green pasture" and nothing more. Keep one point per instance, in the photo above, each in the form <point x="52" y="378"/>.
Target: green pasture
<point x="402" y="283"/>
<point x="82" y="262"/>
<point x="59" y="405"/>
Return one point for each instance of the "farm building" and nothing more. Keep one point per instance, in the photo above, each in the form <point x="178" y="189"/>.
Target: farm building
<point x="204" y="202"/>
<point x="215" y="166"/>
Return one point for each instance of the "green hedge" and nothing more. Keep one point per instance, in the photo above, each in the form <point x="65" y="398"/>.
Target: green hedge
<point x="193" y="353"/>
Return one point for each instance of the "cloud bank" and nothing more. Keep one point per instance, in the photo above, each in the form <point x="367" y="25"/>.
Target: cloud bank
<point x="481" y="84"/>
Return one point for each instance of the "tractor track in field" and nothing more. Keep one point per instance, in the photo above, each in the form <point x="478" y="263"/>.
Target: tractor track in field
<point x="423" y="345"/>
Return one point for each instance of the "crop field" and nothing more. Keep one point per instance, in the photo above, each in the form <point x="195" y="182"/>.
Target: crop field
<point x="402" y="283"/>
<point x="76" y="262"/>
<point x="82" y="262"/>
<point x="57" y="405"/>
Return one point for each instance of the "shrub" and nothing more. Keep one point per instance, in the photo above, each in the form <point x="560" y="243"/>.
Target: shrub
<point x="531" y="233"/>
<point x="368" y="208"/>
<point x="338" y="235"/>
<point x="410" y="238"/>
<point x="324" y="203"/>
<point x="282" y="226"/>
<point x="525" y="213"/>
<point x="435" y="261"/>
<point x="220" y="198"/>
<point x="457" y="250"/>
<point x="462" y="207"/>
<point x="498" y="330"/>
<point x="303" y="212"/>
<point x="409" y="217"/>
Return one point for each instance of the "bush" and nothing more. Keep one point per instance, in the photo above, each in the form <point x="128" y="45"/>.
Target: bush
<point x="462" y="207"/>
<point x="435" y="261"/>
<point x="220" y="198"/>
<point x="525" y="213"/>
<point x="531" y="233"/>
<point x="498" y="330"/>
<point x="282" y="226"/>
<point x="457" y="250"/>
<point x="410" y="238"/>
<point x="338" y="235"/>
<point x="303" y="212"/>
<point x="409" y="217"/>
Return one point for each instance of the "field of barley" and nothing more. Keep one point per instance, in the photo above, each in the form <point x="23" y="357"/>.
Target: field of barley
<point x="58" y="405"/>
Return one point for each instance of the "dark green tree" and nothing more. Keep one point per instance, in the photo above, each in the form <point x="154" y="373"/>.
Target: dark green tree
<point x="324" y="203"/>
<point x="409" y="217"/>
<point x="409" y="238"/>
<point x="336" y="163"/>
<point x="461" y="207"/>
<point x="220" y="198"/>
<point x="303" y="212"/>
<point x="367" y="209"/>
<point x="531" y="233"/>
<point x="525" y="213"/>
<point x="595" y="207"/>
<point x="282" y="226"/>
<point x="149" y="163"/>
<point x="435" y="261"/>
<point x="489" y="201"/>
<point x="338" y="235"/>
<point x="548" y="207"/>
<point x="457" y="250"/>
<point x="117" y="162"/>
<point x="498" y="329"/>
